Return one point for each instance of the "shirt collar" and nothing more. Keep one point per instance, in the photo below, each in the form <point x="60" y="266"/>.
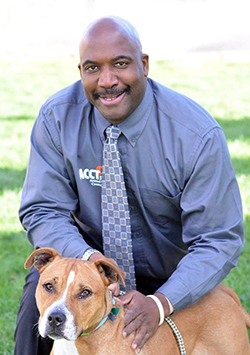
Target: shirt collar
<point x="134" y="125"/>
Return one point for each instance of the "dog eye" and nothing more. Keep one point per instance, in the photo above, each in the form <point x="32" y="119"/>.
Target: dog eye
<point x="48" y="287"/>
<point x="85" y="293"/>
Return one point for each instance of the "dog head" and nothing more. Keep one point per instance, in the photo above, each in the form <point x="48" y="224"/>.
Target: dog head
<point x="72" y="295"/>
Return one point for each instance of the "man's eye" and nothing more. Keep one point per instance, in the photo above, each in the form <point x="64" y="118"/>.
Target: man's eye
<point x="85" y="293"/>
<point x="48" y="287"/>
<point x="91" y="68"/>
<point x="121" y="64"/>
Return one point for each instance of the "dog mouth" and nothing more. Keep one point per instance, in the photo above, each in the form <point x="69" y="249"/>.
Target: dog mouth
<point x="67" y="332"/>
<point x="57" y="335"/>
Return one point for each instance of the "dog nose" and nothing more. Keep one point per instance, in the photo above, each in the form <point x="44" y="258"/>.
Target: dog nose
<point x="56" y="319"/>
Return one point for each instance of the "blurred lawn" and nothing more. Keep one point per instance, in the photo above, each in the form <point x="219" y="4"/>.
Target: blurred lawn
<point x="222" y="88"/>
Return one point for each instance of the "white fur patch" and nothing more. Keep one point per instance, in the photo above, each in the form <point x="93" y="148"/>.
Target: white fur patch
<point x="64" y="347"/>
<point x="69" y="329"/>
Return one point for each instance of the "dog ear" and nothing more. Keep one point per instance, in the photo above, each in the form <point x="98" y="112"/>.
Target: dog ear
<point x="41" y="257"/>
<point x="112" y="272"/>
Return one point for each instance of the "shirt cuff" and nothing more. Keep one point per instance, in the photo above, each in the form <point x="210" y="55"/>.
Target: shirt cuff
<point x="171" y="307"/>
<point x="177" y="293"/>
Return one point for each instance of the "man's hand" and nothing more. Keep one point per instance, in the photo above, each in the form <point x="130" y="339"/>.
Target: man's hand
<point x="142" y="317"/>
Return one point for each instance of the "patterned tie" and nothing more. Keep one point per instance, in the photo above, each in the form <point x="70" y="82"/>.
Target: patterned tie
<point x="116" y="228"/>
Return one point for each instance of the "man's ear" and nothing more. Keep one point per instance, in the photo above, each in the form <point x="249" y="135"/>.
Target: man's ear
<point x="112" y="272"/>
<point x="145" y="64"/>
<point x="41" y="257"/>
<point x="80" y="71"/>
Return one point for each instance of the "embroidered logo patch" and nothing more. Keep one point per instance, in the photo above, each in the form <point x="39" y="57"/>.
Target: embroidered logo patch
<point x="94" y="176"/>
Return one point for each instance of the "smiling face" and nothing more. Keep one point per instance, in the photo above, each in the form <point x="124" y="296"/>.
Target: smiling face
<point x="113" y="69"/>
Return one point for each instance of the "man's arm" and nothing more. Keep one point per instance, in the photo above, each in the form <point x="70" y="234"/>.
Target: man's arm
<point x="213" y="230"/>
<point x="212" y="224"/>
<point x="48" y="195"/>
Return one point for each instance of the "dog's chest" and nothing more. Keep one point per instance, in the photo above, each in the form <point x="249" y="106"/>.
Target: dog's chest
<point x="64" y="347"/>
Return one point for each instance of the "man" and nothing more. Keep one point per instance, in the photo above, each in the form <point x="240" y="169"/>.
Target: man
<point x="184" y="202"/>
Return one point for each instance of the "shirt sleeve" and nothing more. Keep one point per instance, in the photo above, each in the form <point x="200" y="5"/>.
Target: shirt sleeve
<point x="48" y="195"/>
<point x="212" y="223"/>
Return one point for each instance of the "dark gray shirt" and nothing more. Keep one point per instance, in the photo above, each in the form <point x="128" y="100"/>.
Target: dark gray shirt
<point x="185" y="204"/>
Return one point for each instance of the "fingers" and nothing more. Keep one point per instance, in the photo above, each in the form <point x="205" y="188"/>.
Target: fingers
<point x="126" y="298"/>
<point x="114" y="288"/>
<point x="133" y="322"/>
<point x="141" y="338"/>
<point x="143" y="326"/>
<point x="142" y="317"/>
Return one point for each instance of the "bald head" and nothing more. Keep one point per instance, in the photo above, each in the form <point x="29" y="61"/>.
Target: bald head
<point x="111" y="25"/>
<point x="113" y="68"/>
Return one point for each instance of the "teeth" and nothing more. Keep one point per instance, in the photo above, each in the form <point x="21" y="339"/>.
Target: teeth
<point x="110" y="98"/>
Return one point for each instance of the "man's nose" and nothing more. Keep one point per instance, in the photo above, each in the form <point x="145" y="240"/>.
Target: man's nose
<point x="107" y="78"/>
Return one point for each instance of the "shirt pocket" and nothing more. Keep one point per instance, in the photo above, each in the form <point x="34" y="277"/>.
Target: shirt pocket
<point x="159" y="207"/>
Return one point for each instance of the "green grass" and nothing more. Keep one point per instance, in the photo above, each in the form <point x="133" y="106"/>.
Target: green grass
<point x="222" y="88"/>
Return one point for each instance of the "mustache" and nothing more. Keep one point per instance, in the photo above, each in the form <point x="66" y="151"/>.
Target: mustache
<point x="110" y="92"/>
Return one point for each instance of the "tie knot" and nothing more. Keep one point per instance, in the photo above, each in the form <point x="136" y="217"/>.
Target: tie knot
<point x="113" y="132"/>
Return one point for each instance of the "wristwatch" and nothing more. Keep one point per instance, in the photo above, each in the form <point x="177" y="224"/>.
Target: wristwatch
<point x="87" y="254"/>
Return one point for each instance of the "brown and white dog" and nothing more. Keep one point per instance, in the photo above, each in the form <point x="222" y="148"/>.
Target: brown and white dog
<point x="76" y="310"/>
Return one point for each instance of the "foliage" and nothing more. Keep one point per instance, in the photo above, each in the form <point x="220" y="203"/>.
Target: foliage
<point x="222" y="88"/>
